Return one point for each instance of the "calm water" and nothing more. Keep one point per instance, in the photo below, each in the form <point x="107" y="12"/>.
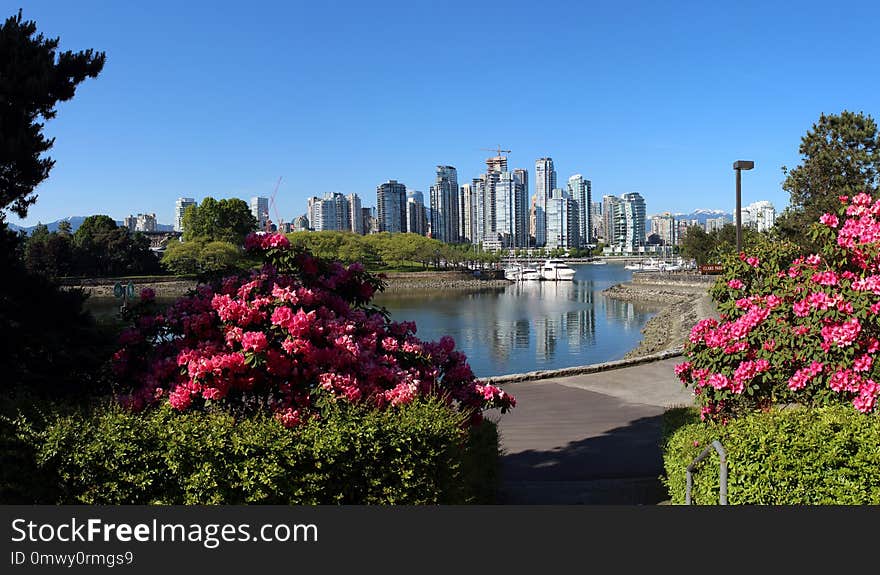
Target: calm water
<point x="529" y="326"/>
<point x="526" y="326"/>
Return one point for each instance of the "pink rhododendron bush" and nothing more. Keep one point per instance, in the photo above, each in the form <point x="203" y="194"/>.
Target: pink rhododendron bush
<point x="801" y="330"/>
<point x="279" y="338"/>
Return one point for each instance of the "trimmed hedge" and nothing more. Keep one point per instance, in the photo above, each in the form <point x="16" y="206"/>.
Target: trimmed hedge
<point x="823" y="456"/>
<point x="416" y="454"/>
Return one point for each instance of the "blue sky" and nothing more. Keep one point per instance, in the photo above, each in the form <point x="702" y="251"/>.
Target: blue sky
<point x="223" y="98"/>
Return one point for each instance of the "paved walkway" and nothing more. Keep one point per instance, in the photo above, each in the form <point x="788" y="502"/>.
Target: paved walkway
<point x="589" y="439"/>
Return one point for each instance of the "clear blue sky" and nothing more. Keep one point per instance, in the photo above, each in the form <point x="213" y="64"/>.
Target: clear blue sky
<point x="222" y="99"/>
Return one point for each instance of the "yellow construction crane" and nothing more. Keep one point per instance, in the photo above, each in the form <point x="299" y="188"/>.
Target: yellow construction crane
<point x="498" y="151"/>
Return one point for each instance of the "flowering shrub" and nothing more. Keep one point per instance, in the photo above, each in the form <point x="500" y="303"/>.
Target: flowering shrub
<point x="799" y="330"/>
<point x="297" y="328"/>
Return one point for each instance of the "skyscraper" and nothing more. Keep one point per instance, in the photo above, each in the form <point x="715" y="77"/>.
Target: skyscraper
<point x="545" y="182"/>
<point x="391" y="207"/>
<point x="597" y="221"/>
<point x="444" y="206"/>
<point x="634" y="214"/>
<point x="260" y="211"/>
<point x="612" y="216"/>
<point x="563" y="226"/>
<point x="511" y="211"/>
<point x="354" y="213"/>
<point x="468" y="210"/>
<point x="179" y="209"/>
<point x="581" y="192"/>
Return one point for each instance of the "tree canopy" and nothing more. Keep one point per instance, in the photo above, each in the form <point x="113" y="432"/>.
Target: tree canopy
<point x="711" y="247"/>
<point x="840" y="157"/>
<point x="33" y="79"/>
<point x="227" y="220"/>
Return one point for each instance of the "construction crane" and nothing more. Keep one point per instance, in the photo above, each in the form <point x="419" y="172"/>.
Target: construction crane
<point x="498" y="151"/>
<point x="275" y="207"/>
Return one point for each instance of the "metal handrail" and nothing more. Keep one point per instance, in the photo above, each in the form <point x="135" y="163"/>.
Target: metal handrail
<point x="722" y="472"/>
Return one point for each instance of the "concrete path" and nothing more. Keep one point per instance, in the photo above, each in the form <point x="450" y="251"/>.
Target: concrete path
<point x="589" y="439"/>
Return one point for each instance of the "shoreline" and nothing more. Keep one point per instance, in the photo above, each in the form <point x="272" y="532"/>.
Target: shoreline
<point x="682" y="307"/>
<point x="171" y="286"/>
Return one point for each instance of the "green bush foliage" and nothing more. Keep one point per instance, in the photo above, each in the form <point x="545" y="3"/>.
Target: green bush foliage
<point x="420" y="453"/>
<point x="795" y="456"/>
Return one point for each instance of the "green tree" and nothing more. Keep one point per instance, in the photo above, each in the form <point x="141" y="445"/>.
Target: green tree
<point x="840" y="156"/>
<point x="48" y="345"/>
<point x="101" y="248"/>
<point x="48" y="254"/>
<point x="227" y="220"/>
<point x="33" y="79"/>
<point x="697" y="244"/>
<point x="182" y="257"/>
<point x="219" y="257"/>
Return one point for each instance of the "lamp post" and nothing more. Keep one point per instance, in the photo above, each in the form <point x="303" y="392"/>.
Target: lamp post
<point x="739" y="166"/>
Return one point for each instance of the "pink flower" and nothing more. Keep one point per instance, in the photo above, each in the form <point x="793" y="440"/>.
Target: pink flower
<point x="813" y="260"/>
<point x="801" y="308"/>
<point x="682" y="370"/>
<point x="863" y="363"/>
<point x="803" y="376"/>
<point x="753" y="261"/>
<point x="829" y="220"/>
<point x="828" y="278"/>
<point x="841" y="334"/>
<point x="735" y="284"/>
<point x="253" y="341"/>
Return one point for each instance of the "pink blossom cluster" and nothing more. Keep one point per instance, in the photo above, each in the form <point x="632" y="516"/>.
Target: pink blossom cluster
<point x="841" y="334"/>
<point x="802" y="376"/>
<point x="265" y="241"/>
<point x="802" y="328"/>
<point x="284" y="338"/>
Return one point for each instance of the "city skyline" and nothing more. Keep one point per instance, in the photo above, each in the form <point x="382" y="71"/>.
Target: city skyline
<point x="650" y="101"/>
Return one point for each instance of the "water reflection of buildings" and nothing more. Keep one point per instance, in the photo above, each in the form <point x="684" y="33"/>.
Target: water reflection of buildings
<point x="547" y="307"/>
<point x="527" y="325"/>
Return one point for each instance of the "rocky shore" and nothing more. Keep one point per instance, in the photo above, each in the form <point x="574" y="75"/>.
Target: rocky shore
<point x="168" y="287"/>
<point x="441" y="280"/>
<point x="683" y="306"/>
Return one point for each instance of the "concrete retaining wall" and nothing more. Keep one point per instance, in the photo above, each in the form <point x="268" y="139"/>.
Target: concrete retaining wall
<point x="581" y="370"/>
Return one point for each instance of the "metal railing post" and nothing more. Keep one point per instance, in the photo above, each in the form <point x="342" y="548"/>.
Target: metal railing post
<point x="722" y="472"/>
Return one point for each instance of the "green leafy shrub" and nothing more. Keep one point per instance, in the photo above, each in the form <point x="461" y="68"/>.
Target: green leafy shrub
<point x="419" y="453"/>
<point x="821" y="456"/>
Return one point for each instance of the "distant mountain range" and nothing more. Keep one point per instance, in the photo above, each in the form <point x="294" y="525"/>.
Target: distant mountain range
<point x="76" y="222"/>
<point x="703" y="215"/>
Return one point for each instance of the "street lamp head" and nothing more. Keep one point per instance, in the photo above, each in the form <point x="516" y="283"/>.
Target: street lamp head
<point x="743" y="165"/>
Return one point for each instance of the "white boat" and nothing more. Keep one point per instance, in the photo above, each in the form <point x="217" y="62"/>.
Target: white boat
<point x="556" y="270"/>
<point x="522" y="273"/>
<point x="598" y="262"/>
<point x="648" y="265"/>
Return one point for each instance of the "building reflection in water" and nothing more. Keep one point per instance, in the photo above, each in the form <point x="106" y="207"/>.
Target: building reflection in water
<point x="528" y="325"/>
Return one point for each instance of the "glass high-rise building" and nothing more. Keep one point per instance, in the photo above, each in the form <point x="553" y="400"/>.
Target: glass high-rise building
<point x="260" y="211"/>
<point x="545" y="183"/>
<point x="563" y="226"/>
<point x="582" y="193"/>
<point x="445" y="223"/>
<point x="354" y="213"/>
<point x="634" y="214"/>
<point x="179" y="209"/>
<point x="612" y="220"/>
<point x="391" y="207"/>
<point x="511" y="211"/>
